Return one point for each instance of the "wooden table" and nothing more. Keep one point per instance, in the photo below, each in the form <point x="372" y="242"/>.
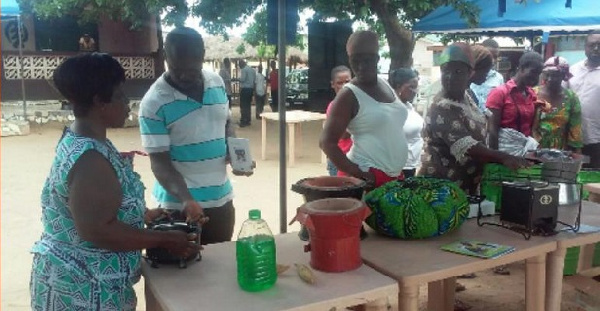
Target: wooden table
<point x="590" y="215"/>
<point x="294" y="120"/>
<point x="212" y="284"/>
<point x="417" y="262"/>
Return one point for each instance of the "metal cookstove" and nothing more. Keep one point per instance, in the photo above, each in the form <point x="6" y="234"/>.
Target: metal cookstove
<point x="530" y="207"/>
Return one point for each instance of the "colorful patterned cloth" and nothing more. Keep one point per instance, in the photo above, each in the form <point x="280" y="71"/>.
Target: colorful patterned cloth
<point x="561" y="128"/>
<point x="417" y="208"/>
<point x="451" y="129"/>
<point x="69" y="273"/>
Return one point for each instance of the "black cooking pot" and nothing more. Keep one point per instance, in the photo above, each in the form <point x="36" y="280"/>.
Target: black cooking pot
<point x="161" y="255"/>
<point x="323" y="187"/>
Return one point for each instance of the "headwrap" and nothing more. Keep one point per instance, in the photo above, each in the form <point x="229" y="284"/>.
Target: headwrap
<point x="557" y="63"/>
<point x="482" y="56"/>
<point x="457" y="52"/>
<point x="400" y="76"/>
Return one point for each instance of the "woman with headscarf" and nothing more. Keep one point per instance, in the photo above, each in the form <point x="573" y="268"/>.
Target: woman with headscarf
<point x="559" y="124"/>
<point x="455" y="128"/>
<point x="483" y="61"/>
<point x="405" y="82"/>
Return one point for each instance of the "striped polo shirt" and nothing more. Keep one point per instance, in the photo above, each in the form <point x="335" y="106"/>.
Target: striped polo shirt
<point x="194" y="134"/>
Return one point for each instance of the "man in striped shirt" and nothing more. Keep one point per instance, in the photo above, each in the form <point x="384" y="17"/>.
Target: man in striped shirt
<point x="184" y="122"/>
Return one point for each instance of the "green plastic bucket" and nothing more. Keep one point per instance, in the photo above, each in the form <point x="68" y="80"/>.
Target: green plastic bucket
<point x="571" y="261"/>
<point x="495" y="174"/>
<point x="596" y="260"/>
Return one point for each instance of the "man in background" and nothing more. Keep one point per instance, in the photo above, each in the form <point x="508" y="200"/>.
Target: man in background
<point x="586" y="84"/>
<point x="225" y="74"/>
<point x="247" y="81"/>
<point x="260" y="91"/>
<point x="274" y="84"/>
<point x="87" y="43"/>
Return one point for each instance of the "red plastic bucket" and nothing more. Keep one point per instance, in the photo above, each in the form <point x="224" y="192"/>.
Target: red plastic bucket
<point x="333" y="225"/>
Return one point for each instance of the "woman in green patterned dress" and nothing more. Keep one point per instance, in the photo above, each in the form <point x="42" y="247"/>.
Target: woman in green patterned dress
<point x="558" y="125"/>
<point x="93" y="209"/>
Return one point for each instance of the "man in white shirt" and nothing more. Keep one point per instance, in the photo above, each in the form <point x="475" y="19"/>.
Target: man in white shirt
<point x="586" y="84"/>
<point x="493" y="79"/>
<point x="260" y="90"/>
<point x="247" y="80"/>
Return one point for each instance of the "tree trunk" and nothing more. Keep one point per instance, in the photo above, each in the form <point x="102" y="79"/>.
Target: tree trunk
<point x="399" y="38"/>
<point x="159" y="65"/>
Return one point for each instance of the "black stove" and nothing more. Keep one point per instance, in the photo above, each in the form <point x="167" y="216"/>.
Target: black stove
<point x="530" y="205"/>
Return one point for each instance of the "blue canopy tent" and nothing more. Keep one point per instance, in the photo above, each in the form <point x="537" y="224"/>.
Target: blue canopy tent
<point x="10" y="10"/>
<point x="523" y="20"/>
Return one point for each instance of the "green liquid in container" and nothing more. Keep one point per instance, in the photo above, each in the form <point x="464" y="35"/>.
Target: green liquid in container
<point x="256" y="256"/>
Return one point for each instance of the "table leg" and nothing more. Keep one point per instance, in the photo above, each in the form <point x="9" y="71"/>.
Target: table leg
<point x="151" y="302"/>
<point x="408" y="298"/>
<point x="586" y="256"/>
<point x="535" y="283"/>
<point x="554" y="278"/>
<point x="263" y="138"/>
<point x="292" y="135"/>
<point x="299" y="137"/>
<point x="441" y="295"/>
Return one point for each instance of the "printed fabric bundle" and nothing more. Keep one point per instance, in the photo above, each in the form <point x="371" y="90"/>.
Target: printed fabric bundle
<point x="417" y="208"/>
<point x="515" y="143"/>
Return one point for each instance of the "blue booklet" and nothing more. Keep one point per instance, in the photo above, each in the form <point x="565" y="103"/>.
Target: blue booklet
<point x="478" y="249"/>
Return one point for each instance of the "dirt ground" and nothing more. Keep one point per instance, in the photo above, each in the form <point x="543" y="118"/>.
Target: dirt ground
<point x="26" y="161"/>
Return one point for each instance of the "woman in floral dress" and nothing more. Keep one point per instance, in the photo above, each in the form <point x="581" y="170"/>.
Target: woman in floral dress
<point x="558" y="126"/>
<point x="93" y="209"/>
<point x="455" y="128"/>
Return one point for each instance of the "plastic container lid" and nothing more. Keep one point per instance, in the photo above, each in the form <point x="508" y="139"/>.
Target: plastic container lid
<point x="254" y="214"/>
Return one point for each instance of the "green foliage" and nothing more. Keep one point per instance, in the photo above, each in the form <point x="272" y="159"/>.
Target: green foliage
<point x="135" y="12"/>
<point x="241" y="49"/>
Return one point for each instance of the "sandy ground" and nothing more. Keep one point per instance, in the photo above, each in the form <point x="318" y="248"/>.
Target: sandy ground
<point x="26" y="161"/>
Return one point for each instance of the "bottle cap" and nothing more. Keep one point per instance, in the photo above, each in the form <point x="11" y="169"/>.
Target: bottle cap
<point x="254" y="214"/>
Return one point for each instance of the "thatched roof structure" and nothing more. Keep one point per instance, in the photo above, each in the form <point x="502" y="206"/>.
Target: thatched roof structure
<point x="218" y="48"/>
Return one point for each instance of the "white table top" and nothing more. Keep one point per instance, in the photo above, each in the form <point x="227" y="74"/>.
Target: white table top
<point x="212" y="283"/>
<point x="590" y="215"/>
<point x="422" y="261"/>
<point x="295" y="116"/>
<point x="593" y="188"/>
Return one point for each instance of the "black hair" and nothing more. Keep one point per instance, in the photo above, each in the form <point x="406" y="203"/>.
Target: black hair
<point x="400" y="76"/>
<point x="80" y="78"/>
<point x="226" y="61"/>
<point x="490" y="43"/>
<point x="338" y="69"/>
<point x="593" y="32"/>
<point x="182" y="37"/>
<point x="531" y="59"/>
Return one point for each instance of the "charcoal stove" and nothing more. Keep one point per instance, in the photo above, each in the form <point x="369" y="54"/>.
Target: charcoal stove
<point x="156" y="256"/>
<point x="531" y="206"/>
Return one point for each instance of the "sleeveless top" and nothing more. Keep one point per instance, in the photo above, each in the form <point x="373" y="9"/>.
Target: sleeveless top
<point x="68" y="270"/>
<point x="377" y="133"/>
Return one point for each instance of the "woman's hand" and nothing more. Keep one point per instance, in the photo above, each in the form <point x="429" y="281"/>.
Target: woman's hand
<point x="515" y="163"/>
<point x="152" y="214"/>
<point x="180" y="244"/>
<point x="369" y="178"/>
<point x="193" y="212"/>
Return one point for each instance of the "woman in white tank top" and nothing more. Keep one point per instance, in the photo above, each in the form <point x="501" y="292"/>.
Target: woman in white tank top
<point x="369" y="109"/>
